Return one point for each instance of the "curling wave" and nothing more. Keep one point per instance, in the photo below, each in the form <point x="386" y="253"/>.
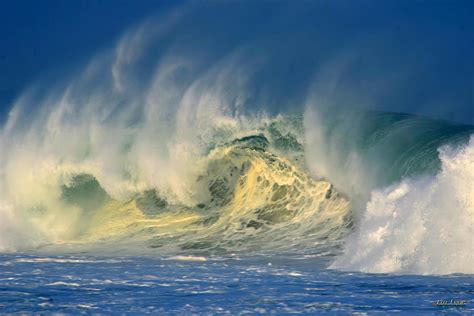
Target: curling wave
<point x="246" y="197"/>
<point x="249" y="200"/>
<point x="163" y="151"/>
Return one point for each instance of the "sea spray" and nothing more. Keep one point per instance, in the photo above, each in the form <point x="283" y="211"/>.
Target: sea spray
<point x="422" y="225"/>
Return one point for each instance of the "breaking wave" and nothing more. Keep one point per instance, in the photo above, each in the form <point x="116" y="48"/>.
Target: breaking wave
<point x="244" y="195"/>
<point x="163" y="151"/>
<point x="419" y="225"/>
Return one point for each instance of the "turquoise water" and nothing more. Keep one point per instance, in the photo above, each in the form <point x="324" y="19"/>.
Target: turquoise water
<point x="225" y="285"/>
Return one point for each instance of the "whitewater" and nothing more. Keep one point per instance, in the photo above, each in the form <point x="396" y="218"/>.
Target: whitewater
<point x="192" y="175"/>
<point x="166" y="162"/>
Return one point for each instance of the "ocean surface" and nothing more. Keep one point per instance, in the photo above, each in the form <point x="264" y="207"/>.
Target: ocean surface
<point x="227" y="285"/>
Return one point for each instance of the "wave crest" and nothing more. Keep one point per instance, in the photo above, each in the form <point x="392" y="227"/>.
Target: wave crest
<point x="247" y="199"/>
<point x="419" y="225"/>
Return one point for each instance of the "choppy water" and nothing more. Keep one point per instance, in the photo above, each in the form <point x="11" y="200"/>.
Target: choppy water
<point x="89" y="284"/>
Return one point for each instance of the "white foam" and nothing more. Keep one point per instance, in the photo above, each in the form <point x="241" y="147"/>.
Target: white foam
<point x="420" y="226"/>
<point x="15" y="231"/>
<point x="59" y="283"/>
<point x="188" y="258"/>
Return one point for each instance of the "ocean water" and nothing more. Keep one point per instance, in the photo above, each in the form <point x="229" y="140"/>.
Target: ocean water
<point x="227" y="285"/>
<point x="155" y="180"/>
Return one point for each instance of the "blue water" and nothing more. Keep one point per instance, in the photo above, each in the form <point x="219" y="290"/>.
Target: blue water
<point x="91" y="284"/>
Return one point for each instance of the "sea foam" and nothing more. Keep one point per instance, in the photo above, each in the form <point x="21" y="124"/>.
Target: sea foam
<point x="420" y="225"/>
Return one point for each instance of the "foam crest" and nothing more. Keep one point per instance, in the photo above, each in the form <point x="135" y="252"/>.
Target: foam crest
<point x="420" y="225"/>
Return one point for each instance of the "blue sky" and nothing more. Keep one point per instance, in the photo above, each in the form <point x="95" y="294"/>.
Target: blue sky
<point x="410" y="56"/>
<point x="38" y="37"/>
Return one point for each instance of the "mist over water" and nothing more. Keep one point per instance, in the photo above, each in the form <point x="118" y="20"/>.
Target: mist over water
<point x="185" y="139"/>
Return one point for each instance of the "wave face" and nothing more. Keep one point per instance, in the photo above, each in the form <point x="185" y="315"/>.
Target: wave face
<point x="361" y="151"/>
<point x="177" y="151"/>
